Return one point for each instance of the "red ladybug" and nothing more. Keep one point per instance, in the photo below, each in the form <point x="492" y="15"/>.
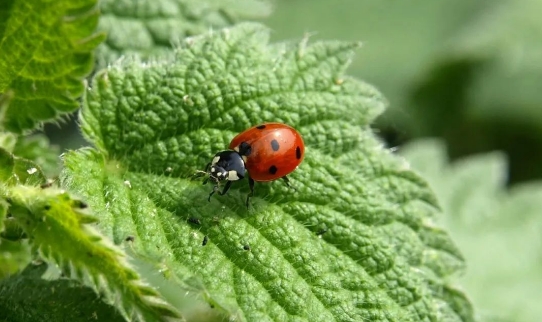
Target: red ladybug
<point x="268" y="152"/>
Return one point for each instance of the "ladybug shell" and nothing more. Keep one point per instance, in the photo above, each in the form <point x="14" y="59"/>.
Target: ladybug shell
<point x="276" y="150"/>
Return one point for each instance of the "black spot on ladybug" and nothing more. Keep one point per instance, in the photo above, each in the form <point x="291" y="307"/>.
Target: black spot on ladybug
<point x="273" y="169"/>
<point x="275" y="145"/>
<point x="298" y="153"/>
<point x="194" y="220"/>
<point x="205" y="240"/>
<point x="245" y="149"/>
<point x="260" y="127"/>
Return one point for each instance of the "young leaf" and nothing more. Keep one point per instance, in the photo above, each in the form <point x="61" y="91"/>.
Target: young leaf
<point x="38" y="149"/>
<point x="155" y="124"/>
<point x="498" y="230"/>
<point x="149" y="28"/>
<point x="28" y="297"/>
<point x="15" y="170"/>
<point x="57" y="225"/>
<point x="46" y="50"/>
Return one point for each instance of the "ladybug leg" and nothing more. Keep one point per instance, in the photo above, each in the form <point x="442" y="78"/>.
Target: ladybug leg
<point x="251" y="186"/>
<point x="215" y="189"/>
<point x="226" y="188"/>
<point x="200" y="173"/>
<point x="287" y="182"/>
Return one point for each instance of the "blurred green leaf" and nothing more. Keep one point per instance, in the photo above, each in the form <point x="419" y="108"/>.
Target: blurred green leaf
<point x="401" y="39"/>
<point x="15" y="170"/>
<point x="155" y="124"/>
<point x="46" y="50"/>
<point x="27" y="297"/>
<point x="81" y="252"/>
<point x="151" y="28"/>
<point x="484" y="87"/>
<point x="506" y="39"/>
<point x="38" y="149"/>
<point x="454" y="68"/>
<point x="499" y="231"/>
<point x="14" y="255"/>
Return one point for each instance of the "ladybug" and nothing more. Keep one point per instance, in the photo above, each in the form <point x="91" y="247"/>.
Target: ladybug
<point x="268" y="152"/>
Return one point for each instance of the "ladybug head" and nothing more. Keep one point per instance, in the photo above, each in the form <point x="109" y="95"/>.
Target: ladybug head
<point x="226" y="165"/>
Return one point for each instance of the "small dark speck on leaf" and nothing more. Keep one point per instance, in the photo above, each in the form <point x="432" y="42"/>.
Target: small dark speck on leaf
<point x="321" y="232"/>
<point x="194" y="220"/>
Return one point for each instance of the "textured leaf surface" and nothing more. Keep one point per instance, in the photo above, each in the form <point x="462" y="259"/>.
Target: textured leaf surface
<point x="149" y="28"/>
<point x="497" y="230"/>
<point x="46" y="50"/>
<point x="154" y="125"/>
<point x="14" y="254"/>
<point x="28" y="297"/>
<point x="46" y="214"/>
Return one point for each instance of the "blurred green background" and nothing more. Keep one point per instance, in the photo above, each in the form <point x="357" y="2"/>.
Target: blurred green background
<point x="466" y="71"/>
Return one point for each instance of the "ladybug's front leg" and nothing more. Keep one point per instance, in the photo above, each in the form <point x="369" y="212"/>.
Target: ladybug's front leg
<point x="215" y="189"/>
<point x="226" y="188"/>
<point x="200" y="173"/>
<point x="251" y="186"/>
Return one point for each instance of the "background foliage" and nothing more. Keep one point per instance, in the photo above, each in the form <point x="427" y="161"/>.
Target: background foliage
<point x="466" y="71"/>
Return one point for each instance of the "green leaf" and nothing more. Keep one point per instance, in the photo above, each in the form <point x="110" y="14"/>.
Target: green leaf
<point x="15" y="170"/>
<point x="46" y="214"/>
<point x="505" y="41"/>
<point x="151" y="28"/>
<point x="3" y="213"/>
<point x="38" y="149"/>
<point x="28" y="297"/>
<point x="47" y="50"/>
<point x="401" y="39"/>
<point x="14" y="255"/>
<point x="154" y="125"/>
<point x="8" y="141"/>
<point x="497" y="230"/>
<point x="498" y="56"/>
<point x="484" y="85"/>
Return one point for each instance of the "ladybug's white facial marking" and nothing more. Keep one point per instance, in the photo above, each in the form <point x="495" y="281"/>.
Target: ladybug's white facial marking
<point x="215" y="160"/>
<point x="233" y="175"/>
